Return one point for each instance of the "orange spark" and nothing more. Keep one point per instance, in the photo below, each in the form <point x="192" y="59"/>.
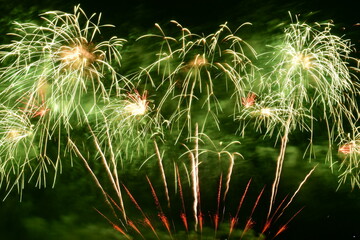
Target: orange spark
<point x="184" y="220"/>
<point x="165" y="221"/>
<point x="147" y="221"/>
<point x="347" y="148"/>
<point x="132" y="225"/>
<point x="183" y="214"/>
<point x="116" y="227"/>
<point x="137" y="104"/>
<point x="216" y="217"/>
<point x="248" y="101"/>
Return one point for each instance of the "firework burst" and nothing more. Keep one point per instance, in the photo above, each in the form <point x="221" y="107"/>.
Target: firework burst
<point x="61" y="63"/>
<point x="349" y="152"/>
<point x="310" y="80"/>
<point x="188" y="66"/>
<point x="56" y="72"/>
<point x="311" y="72"/>
<point x="128" y="123"/>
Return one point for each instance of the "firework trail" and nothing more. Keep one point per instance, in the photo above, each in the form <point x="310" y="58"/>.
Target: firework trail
<point x="161" y="214"/>
<point x="116" y="227"/>
<point x="162" y="172"/>
<point x="216" y="216"/>
<point x="183" y="213"/>
<point x="234" y="219"/>
<point x="146" y="219"/>
<point x="279" y="167"/>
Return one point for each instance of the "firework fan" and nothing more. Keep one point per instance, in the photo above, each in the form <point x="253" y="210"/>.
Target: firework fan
<point x="193" y="220"/>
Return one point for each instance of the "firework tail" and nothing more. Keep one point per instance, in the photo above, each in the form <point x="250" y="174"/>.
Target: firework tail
<point x="116" y="227"/>
<point x="216" y="216"/>
<point x="162" y="172"/>
<point x="183" y="214"/>
<point x="228" y="177"/>
<point x="250" y="223"/>
<point x="76" y="150"/>
<point x="270" y="220"/>
<point x="297" y="190"/>
<point x="146" y="219"/>
<point x="194" y="158"/>
<point x="279" y="165"/>
<point x="113" y="178"/>
<point x="233" y="221"/>
<point x="161" y="214"/>
<point x="284" y="227"/>
<point x="133" y="226"/>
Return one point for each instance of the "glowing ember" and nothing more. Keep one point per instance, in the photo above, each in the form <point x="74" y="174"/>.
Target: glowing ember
<point x="304" y="60"/>
<point x="137" y="105"/>
<point x="249" y="100"/>
<point x="265" y="112"/>
<point x="77" y="56"/>
<point x="349" y="148"/>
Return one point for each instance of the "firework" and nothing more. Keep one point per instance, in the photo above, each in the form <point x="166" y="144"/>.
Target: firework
<point x="349" y="166"/>
<point x="127" y="123"/>
<point x="188" y="66"/>
<point x="61" y="63"/>
<point x="309" y="80"/>
<point x="59" y="76"/>
<point x="16" y="147"/>
<point x="311" y="72"/>
<point x="269" y="115"/>
<point x="242" y="225"/>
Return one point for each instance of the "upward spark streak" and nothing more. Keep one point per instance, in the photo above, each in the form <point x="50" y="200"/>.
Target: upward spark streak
<point x="216" y="217"/>
<point x="195" y="177"/>
<point x="162" y="172"/>
<point x="279" y="165"/>
<point x="228" y="177"/>
<point x="234" y="220"/>
<point x="297" y="190"/>
<point x="183" y="214"/>
<point x="250" y="222"/>
<point x="146" y="219"/>
<point x="161" y="214"/>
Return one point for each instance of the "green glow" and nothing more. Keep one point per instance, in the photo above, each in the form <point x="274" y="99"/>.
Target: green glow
<point x="64" y="98"/>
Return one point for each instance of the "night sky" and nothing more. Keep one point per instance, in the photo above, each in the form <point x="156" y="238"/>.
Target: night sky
<point x="69" y="208"/>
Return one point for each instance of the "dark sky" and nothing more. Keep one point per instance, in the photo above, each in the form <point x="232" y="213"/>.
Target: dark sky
<point x="139" y="16"/>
